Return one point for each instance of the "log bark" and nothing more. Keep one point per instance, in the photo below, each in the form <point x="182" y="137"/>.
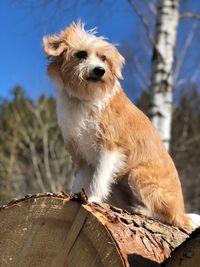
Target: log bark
<point x="59" y="230"/>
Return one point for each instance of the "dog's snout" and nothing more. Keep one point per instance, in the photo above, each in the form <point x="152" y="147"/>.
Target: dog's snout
<point x="99" y="71"/>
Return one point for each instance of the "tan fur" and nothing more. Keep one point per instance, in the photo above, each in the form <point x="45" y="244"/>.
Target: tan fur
<point x="148" y="171"/>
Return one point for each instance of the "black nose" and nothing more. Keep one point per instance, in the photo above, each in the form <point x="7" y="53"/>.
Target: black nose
<point x="99" y="71"/>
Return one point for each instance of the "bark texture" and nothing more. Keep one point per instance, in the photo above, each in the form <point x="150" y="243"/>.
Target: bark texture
<point x="59" y="230"/>
<point x="162" y="64"/>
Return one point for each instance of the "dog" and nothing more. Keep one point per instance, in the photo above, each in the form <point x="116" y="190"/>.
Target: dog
<point x="119" y="155"/>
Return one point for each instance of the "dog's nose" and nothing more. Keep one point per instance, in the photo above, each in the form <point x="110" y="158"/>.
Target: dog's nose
<point x="99" y="71"/>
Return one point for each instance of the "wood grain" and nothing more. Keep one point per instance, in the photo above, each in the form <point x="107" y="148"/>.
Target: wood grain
<point x="58" y="230"/>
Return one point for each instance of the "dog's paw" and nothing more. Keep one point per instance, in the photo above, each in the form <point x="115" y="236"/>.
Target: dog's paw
<point x="194" y="220"/>
<point x="94" y="199"/>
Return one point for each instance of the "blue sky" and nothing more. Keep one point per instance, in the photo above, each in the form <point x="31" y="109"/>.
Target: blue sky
<point x="23" y="26"/>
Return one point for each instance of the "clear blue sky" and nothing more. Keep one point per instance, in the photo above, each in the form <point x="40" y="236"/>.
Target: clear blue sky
<point x="22" y="28"/>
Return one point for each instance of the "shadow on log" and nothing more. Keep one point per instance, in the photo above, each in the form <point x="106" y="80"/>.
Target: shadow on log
<point x="58" y="230"/>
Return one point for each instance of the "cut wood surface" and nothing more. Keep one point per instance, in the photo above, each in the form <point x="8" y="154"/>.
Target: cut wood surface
<point x="58" y="230"/>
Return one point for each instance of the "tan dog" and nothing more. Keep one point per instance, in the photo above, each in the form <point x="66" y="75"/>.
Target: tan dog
<point x="119" y="154"/>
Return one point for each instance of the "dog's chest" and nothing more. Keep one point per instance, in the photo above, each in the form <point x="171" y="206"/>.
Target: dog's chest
<point x="78" y="124"/>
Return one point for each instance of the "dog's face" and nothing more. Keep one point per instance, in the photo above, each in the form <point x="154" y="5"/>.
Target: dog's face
<point x="87" y="66"/>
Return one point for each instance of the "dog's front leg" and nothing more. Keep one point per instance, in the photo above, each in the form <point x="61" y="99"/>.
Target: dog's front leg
<point x="108" y="165"/>
<point x="82" y="179"/>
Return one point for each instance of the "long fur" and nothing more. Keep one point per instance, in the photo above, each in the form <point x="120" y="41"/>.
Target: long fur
<point x="120" y="157"/>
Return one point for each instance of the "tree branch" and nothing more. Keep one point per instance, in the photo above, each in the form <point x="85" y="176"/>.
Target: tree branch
<point x="183" y="53"/>
<point x="143" y="20"/>
<point x="189" y="15"/>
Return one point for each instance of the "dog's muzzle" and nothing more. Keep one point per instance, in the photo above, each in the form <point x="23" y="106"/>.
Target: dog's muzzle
<point x="99" y="72"/>
<point x="96" y="74"/>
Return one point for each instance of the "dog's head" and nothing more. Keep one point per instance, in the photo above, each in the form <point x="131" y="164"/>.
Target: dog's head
<point x="86" y="65"/>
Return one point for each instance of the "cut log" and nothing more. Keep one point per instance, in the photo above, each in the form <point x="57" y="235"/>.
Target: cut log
<point x="58" y="230"/>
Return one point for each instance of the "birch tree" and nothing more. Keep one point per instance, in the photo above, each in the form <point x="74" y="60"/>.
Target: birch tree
<point x="162" y="63"/>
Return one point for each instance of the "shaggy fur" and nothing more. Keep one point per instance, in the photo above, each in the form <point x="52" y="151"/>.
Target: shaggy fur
<point x="119" y="154"/>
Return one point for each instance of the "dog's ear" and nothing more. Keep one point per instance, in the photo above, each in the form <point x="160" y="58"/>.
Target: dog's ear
<point x="54" y="45"/>
<point x="120" y="61"/>
<point x="117" y="63"/>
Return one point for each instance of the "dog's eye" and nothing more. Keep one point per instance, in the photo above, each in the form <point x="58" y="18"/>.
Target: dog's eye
<point x="81" y="55"/>
<point x="103" y="58"/>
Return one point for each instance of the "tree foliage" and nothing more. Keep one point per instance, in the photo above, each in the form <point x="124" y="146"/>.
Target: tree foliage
<point x="186" y="144"/>
<point x="32" y="154"/>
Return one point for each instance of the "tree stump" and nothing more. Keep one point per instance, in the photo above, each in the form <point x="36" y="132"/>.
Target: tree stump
<point x="58" y="230"/>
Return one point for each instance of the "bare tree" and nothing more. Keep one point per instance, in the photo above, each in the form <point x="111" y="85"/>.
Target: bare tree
<point x="32" y="155"/>
<point x="162" y="63"/>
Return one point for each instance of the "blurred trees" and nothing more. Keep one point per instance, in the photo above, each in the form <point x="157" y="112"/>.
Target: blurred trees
<point x="160" y="21"/>
<point x="185" y="144"/>
<point x="32" y="153"/>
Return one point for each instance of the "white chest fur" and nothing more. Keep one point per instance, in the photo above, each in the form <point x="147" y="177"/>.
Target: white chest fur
<point x="77" y="122"/>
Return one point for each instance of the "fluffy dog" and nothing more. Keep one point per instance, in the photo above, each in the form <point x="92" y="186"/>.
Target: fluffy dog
<point x="120" y="157"/>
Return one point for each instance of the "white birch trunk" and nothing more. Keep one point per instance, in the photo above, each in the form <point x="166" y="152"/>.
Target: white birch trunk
<point x="162" y="63"/>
